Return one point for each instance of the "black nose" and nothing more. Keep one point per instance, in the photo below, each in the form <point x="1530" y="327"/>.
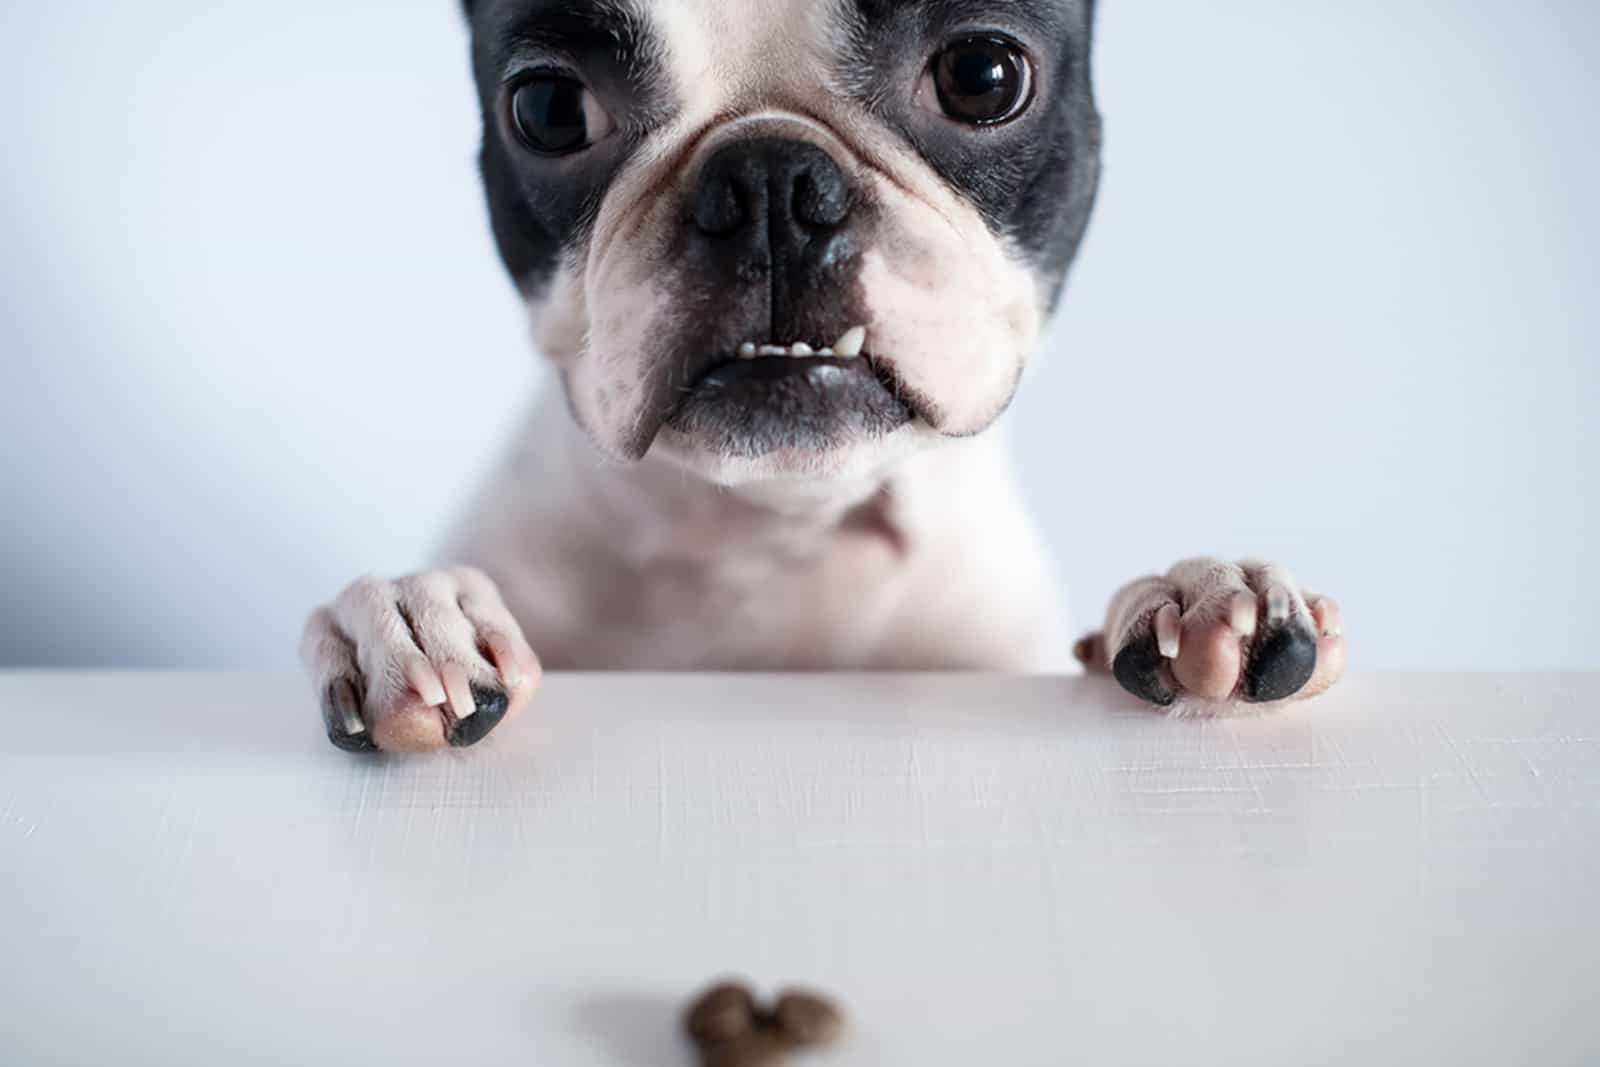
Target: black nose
<point x="771" y="190"/>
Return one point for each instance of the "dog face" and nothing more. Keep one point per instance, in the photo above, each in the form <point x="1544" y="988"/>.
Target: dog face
<point x="776" y="238"/>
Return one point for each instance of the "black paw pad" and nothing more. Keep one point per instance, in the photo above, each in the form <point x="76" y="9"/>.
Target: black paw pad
<point x="341" y="714"/>
<point x="1283" y="662"/>
<point x="492" y="705"/>
<point x="1139" y="667"/>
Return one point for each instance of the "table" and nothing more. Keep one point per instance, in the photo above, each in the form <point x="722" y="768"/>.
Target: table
<point x="985" y="870"/>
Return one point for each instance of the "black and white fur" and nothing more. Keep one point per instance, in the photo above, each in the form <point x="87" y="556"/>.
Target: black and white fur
<point x="776" y="173"/>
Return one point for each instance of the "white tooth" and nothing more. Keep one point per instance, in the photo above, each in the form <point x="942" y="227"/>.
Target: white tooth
<point x="773" y="350"/>
<point x="353" y="724"/>
<point x="800" y="348"/>
<point x="851" y="344"/>
<point x="747" y="350"/>
<point x="825" y="352"/>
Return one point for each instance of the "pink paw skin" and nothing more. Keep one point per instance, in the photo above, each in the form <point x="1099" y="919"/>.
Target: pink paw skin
<point x="1212" y="637"/>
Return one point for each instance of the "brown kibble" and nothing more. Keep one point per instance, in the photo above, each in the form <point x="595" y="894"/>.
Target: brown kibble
<point x="723" y="1012"/>
<point x="807" y="1018"/>
<point x="733" y="1030"/>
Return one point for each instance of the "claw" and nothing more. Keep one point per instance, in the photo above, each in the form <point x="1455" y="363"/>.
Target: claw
<point x="341" y="713"/>
<point x="1277" y="604"/>
<point x="422" y="678"/>
<point x="462" y="706"/>
<point x="1169" y="630"/>
<point x="1242" y="614"/>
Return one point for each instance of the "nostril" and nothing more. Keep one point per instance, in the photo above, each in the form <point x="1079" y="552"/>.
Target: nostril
<point x="777" y="192"/>
<point x="718" y="210"/>
<point x="821" y="200"/>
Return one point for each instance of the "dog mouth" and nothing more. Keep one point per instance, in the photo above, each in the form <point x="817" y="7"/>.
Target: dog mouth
<point x="759" y="398"/>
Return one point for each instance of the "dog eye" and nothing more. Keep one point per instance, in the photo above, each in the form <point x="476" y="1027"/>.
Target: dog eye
<point x="556" y="116"/>
<point x="981" y="81"/>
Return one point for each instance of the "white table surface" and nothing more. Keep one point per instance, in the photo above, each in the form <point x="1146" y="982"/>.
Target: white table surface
<point x="1008" y="871"/>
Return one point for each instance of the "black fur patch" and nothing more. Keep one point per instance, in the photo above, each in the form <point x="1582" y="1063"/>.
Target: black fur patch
<point x="1033" y="179"/>
<point x="540" y="206"/>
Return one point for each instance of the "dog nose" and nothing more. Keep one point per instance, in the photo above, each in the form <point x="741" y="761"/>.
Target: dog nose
<point x="772" y="189"/>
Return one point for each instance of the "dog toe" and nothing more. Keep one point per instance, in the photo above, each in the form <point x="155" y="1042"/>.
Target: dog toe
<point x="1140" y="669"/>
<point x="491" y="705"/>
<point x="1284" y="659"/>
<point x="341" y="714"/>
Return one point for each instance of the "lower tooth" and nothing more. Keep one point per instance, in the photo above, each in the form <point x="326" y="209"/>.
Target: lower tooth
<point x="747" y="351"/>
<point x="853" y="341"/>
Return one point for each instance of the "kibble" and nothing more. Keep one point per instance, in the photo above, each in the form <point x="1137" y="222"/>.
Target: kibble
<point x="733" y="1030"/>
<point x="808" y="1019"/>
<point x="723" y="1012"/>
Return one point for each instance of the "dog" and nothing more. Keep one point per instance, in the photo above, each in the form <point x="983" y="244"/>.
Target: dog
<point x="789" y="260"/>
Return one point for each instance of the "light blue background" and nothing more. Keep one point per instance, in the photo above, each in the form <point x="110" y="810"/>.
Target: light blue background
<point x="1339" y="307"/>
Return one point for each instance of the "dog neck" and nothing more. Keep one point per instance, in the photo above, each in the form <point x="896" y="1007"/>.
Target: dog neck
<point x="656" y="508"/>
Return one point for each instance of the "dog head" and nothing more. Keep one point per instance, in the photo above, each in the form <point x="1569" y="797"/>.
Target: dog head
<point x="777" y="238"/>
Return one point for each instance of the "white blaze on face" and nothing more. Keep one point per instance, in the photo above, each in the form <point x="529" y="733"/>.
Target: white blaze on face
<point x="723" y="50"/>
<point x="949" y="308"/>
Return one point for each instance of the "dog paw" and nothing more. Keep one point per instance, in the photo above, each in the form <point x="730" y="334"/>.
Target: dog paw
<point x="419" y="663"/>
<point x="1211" y="635"/>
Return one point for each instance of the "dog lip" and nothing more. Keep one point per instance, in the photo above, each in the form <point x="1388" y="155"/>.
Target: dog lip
<point x="716" y="374"/>
<point x="734" y="395"/>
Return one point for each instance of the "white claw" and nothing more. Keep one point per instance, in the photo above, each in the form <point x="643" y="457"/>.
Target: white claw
<point x="1242" y="614"/>
<point x="1168" y="630"/>
<point x="747" y="350"/>
<point x="462" y="704"/>
<point x="800" y="348"/>
<point x="852" y="343"/>
<point x="425" y="682"/>
<point x="1277" y="604"/>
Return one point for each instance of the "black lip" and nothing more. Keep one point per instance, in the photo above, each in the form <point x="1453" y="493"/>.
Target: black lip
<point x="812" y="403"/>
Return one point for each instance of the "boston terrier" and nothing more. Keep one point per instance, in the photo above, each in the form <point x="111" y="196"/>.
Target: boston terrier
<point x="788" y="260"/>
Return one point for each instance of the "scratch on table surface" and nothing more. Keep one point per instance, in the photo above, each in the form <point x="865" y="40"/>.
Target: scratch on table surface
<point x="11" y="817"/>
<point x="169" y="893"/>
<point x="661" y="795"/>
<point x="1179" y="766"/>
<point x="1466" y="765"/>
<point x="1249" y="774"/>
<point x="1202" y="790"/>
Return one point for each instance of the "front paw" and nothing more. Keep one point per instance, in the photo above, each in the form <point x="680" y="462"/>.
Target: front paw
<point x="1212" y="635"/>
<point x="419" y="663"/>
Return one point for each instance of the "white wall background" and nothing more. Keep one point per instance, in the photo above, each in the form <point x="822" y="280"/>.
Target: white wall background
<point x="1339" y="306"/>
